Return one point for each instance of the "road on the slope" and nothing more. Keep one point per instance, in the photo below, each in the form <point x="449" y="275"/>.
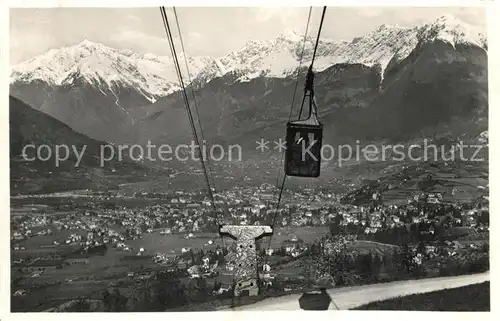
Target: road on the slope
<point x="351" y="297"/>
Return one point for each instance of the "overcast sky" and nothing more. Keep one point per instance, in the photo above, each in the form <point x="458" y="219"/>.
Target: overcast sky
<point x="212" y="31"/>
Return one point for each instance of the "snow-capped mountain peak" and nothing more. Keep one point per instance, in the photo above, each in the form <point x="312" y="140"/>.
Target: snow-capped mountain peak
<point x="88" y="44"/>
<point x="155" y="76"/>
<point x="384" y="26"/>
<point x="291" y="35"/>
<point x="450" y="29"/>
<point x="448" y="19"/>
<point x="99" y="65"/>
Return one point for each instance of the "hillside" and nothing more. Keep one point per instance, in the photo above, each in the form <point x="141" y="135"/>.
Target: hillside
<point x="29" y="126"/>
<point x="434" y="86"/>
<point x="467" y="298"/>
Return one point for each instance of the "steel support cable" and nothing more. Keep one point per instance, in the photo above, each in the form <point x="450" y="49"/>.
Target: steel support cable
<point x="308" y="83"/>
<point x="281" y="188"/>
<point x="210" y="176"/>
<point x="319" y="34"/>
<point x="292" y="105"/>
<point x="184" y="92"/>
<point x="310" y="68"/>
<point x="192" y="92"/>
<point x="310" y="71"/>
<point x="186" y="100"/>
<point x="310" y="74"/>
<point x="300" y="63"/>
<point x="164" y="17"/>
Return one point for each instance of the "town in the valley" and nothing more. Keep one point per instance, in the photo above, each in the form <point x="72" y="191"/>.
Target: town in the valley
<point x="92" y="245"/>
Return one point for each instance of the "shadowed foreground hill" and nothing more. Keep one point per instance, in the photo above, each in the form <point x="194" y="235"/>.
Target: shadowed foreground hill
<point x="29" y="126"/>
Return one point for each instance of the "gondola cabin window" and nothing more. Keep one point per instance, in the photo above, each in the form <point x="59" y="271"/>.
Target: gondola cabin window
<point x="303" y="154"/>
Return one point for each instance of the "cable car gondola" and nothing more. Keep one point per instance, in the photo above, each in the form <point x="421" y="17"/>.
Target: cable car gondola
<point x="304" y="138"/>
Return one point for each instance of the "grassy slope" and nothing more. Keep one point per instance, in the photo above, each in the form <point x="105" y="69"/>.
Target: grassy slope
<point x="468" y="298"/>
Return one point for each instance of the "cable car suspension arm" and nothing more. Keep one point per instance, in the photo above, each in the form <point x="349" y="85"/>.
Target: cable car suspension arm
<point x="309" y="84"/>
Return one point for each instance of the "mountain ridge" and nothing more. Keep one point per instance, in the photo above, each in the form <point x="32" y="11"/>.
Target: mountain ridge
<point x="155" y="75"/>
<point x="362" y="82"/>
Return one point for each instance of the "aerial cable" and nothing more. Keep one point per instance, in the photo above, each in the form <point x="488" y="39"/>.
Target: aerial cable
<point x="281" y="188"/>
<point x="309" y="79"/>
<point x="190" y="116"/>
<point x="165" y="23"/>
<point x="319" y="34"/>
<point x="199" y="121"/>
<point x="293" y="103"/>
<point x="308" y="87"/>
<point x="187" y="69"/>
<point x="186" y="100"/>
<point x="193" y="95"/>
<point x="300" y="63"/>
<point x="310" y="74"/>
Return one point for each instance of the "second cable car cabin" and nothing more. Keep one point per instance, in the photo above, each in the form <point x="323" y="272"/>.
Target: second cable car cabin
<point x="304" y="139"/>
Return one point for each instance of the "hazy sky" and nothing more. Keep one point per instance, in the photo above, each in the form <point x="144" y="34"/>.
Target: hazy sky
<point x="211" y="31"/>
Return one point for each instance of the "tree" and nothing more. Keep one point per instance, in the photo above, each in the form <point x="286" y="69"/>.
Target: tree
<point x="406" y="258"/>
<point x="485" y="248"/>
<point x="217" y="286"/>
<point x="377" y="265"/>
<point x="384" y="223"/>
<point x="484" y="218"/>
<point x="193" y="256"/>
<point x="115" y="301"/>
<point x="80" y="305"/>
<point x="386" y="261"/>
<point x="415" y="231"/>
<point x="364" y="263"/>
<point x="334" y="260"/>
<point x="315" y="248"/>
<point x="421" y="247"/>
<point x="168" y="293"/>
<point x="335" y="227"/>
<point x="439" y="232"/>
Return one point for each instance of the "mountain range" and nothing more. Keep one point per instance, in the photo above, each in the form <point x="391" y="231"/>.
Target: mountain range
<point x="393" y="84"/>
<point x="104" y="92"/>
<point x="420" y="80"/>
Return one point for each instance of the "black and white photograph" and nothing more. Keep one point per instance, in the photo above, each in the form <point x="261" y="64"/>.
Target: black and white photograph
<point x="189" y="158"/>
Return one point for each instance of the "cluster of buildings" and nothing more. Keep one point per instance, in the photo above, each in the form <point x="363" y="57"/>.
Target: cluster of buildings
<point x="178" y="212"/>
<point x="190" y="213"/>
<point x="193" y="212"/>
